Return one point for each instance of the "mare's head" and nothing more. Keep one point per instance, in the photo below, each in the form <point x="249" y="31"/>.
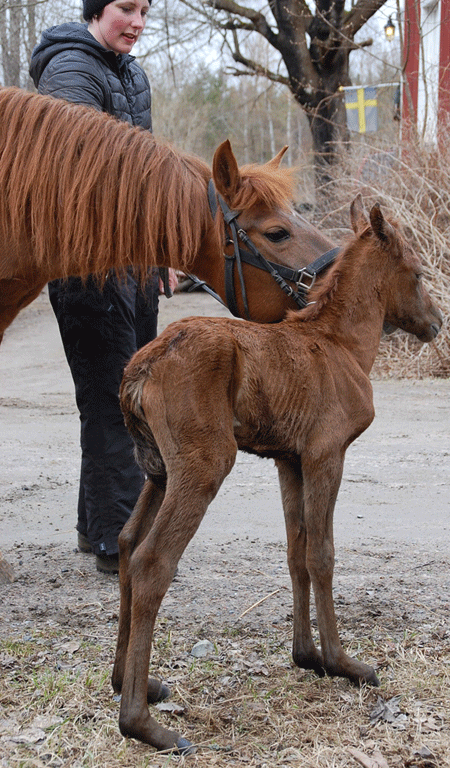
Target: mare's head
<point x="409" y="305"/>
<point x="263" y="194"/>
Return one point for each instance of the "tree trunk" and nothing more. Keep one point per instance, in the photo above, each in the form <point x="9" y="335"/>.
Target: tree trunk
<point x="329" y="132"/>
<point x="325" y="71"/>
<point x="31" y="37"/>
<point x="10" y="24"/>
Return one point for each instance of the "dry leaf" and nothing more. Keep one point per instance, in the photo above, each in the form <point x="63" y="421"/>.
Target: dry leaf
<point x="376" y="761"/>
<point x="70" y="647"/>
<point x="6" y="571"/>
<point x="389" y="711"/>
<point x="170" y="706"/>
<point x="29" y="736"/>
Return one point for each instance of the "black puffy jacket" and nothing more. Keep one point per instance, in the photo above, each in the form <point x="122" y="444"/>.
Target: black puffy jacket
<point x="70" y="64"/>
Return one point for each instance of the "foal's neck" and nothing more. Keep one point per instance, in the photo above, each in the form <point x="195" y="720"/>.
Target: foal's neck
<point x="353" y="311"/>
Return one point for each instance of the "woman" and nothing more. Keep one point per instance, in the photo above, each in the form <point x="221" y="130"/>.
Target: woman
<point x="101" y="329"/>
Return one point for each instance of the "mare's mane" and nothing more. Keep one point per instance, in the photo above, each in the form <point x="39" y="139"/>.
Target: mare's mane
<point x="78" y="181"/>
<point x="267" y="185"/>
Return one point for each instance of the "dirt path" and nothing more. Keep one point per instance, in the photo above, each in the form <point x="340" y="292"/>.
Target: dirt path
<point x="395" y="488"/>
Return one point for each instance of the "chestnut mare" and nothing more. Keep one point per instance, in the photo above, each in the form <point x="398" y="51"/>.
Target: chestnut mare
<point x="82" y="193"/>
<point x="298" y="392"/>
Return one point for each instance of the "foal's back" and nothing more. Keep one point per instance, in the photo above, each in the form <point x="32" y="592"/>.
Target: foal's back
<point x="272" y="387"/>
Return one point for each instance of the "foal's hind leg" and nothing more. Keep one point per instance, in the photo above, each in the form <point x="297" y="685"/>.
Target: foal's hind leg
<point x="191" y="486"/>
<point x="304" y="652"/>
<point x="135" y="531"/>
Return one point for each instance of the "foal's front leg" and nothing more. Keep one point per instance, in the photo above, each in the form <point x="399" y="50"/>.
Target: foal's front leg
<point x="304" y="652"/>
<point x="321" y="480"/>
<point x="135" y="531"/>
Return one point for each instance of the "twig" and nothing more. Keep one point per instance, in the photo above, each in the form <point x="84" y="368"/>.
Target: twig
<point x="255" y="605"/>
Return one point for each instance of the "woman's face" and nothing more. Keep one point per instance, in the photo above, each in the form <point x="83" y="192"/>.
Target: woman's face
<point x="120" y="24"/>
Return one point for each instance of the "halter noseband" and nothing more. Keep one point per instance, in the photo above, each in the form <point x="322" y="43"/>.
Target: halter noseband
<point x="303" y="278"/>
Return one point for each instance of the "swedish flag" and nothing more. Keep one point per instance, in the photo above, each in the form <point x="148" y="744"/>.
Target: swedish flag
<point x="362" y="109"/>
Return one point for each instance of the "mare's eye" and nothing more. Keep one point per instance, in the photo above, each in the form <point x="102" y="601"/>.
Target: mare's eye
<point x="277" y="235"/>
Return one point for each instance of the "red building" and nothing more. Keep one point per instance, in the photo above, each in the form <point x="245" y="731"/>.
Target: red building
<point x="426" y="53"/>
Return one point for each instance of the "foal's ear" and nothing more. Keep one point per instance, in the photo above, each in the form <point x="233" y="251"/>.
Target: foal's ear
<point x="358" y="215"/>
<point x="225" y="172"/>
<point x="380" y="226"/>
<point x="275" y="162"/>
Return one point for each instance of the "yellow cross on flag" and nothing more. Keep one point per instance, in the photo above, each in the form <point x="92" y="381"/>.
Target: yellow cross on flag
<point x="362" y="109"/>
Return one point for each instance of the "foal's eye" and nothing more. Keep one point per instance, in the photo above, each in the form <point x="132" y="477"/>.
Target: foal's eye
<point x="277" y="235"/>
<point x="419" y="275"/>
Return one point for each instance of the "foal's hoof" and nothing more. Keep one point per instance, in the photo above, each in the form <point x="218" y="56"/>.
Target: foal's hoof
<point x="361" y="674"/>
<point x="164" y="693"/>
<point x="184" y="747"/>
<point x="358" y="674"/>
<point x="312" y="661"/>
<point x="156" y="691"/>
<point x="371" y="679"/>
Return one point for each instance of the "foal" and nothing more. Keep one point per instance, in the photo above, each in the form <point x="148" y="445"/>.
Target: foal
<point x="299" y="393"/>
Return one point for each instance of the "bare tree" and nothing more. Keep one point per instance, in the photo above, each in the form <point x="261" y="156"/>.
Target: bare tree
<point x="314" y="47"/>
<point x="21" y="23"/>
<point x="10" y="34"/>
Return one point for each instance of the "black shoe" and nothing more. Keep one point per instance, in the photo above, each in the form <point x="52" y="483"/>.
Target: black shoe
<point x="107" y="563"/>
<point x="84" y="544"/>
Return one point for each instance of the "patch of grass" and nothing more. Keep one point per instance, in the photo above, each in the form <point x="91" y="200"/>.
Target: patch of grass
<point x="248" y="707"/>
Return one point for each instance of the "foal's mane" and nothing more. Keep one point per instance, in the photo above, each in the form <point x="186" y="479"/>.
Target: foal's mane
<point x="327" y="290"/>
<point x="77" y="182"/>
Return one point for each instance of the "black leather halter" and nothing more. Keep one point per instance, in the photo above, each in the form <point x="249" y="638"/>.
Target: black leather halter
<point x="303" y="278"/>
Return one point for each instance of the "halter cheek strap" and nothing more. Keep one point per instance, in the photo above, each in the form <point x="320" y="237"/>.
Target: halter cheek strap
<point x="302" y="278"/>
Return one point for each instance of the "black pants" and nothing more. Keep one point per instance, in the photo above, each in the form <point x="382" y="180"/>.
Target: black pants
<point x="100" y="331"/>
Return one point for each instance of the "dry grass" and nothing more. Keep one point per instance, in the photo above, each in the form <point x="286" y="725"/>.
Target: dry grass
<point x="412" y="183"/>
<point x="246" y="705"/>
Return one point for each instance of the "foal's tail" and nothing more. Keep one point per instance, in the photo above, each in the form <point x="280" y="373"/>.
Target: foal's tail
<point x="146" y="449"/>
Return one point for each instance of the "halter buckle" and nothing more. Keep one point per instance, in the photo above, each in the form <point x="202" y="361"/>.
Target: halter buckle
<point x="305" y="280"/>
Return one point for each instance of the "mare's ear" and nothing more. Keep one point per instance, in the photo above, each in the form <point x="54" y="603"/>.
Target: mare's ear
<point x="358" y="215"/>
<point x="225" y="172"/>
<point x="380" y="226"/>
<point x="275" y="162"/>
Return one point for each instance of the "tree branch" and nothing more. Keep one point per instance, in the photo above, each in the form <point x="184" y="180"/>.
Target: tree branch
<point x="258" y="21"/>
<point x="359" y="14"/>
<point x="257" y="69"/>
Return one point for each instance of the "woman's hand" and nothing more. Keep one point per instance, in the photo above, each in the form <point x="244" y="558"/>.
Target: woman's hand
<point x="173" y="281"/>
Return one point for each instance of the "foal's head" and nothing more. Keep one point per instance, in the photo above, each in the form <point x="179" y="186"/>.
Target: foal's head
<point x="408" y="305"/>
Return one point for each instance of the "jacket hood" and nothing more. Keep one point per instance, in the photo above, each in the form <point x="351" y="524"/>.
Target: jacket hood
<point x="70" y="36"/>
